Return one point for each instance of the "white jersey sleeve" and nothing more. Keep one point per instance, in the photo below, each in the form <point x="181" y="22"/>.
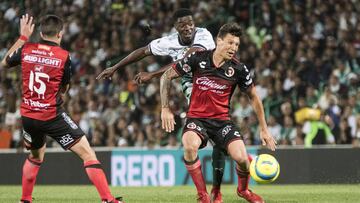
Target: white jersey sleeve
<point x="171" y="46"/>
<point x="160" y="46"/>
<point x="204" y="39"/>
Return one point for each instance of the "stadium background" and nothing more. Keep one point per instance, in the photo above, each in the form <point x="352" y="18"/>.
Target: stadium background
<point x="304" y="55"/>
<point x="305" y="58"/>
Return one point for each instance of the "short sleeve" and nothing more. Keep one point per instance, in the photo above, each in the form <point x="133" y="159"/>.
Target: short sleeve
<point x="160" y="46"/>
<point x="14" y="59"/>
<point x="204" y="39"/>
<point x="186" y="65"/>
<point x="245" y="80"/>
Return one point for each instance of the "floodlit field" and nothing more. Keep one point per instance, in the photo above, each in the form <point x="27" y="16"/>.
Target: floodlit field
<point x="271" y="193"/>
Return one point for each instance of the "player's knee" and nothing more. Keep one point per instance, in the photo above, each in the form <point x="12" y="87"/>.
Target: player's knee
<point x="191" y="149"/>
<point x="241" y="160"/>
<point x="191" y="139"/>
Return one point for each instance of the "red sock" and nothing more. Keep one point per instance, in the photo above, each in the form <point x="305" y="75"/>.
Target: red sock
<point x="194" y="169"/>
<point x="250" y="158"/>
<point x="30" y="170"/>
<point x="243" y="177"/>
<point x="98" y="178"/>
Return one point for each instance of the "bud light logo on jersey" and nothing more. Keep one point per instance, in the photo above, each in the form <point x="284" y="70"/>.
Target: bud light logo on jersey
<point x="52" y="62"/>
<point x="209" y="84"/>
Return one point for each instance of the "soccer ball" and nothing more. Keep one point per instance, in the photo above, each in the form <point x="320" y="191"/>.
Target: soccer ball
<point x="264" y="168"/>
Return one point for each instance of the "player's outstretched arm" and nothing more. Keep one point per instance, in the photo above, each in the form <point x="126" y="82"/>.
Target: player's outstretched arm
<point x="167" y="117"/>
<point x="134" y="56"/>
<point x="266" y="138"/>
<point x="26" y="29"/>
<point x="144" y="77"/>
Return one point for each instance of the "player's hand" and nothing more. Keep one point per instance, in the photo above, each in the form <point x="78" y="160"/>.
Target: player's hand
<point x="143" y="77"/>
<point x="267" y="139"/>
<point x="26" y="25"/>
<point x="106" y="74"/>
<point x="167" y="120"/>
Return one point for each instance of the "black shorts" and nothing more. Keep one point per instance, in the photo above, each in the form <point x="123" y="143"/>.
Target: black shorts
<point x="61" y="128"/>
<point x="221" y="132"/>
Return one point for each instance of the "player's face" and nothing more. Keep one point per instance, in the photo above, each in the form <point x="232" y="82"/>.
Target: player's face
<point x="228" y="46"/>
<point x="186" y="27"/>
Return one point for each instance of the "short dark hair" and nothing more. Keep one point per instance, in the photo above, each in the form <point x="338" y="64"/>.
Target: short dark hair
<point x="230" y="28"/>
<point x="51" y="25"/>
<point x="181" y="13"/>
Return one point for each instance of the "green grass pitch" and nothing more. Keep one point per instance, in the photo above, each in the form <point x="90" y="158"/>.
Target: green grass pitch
<point x="271" y="193"/>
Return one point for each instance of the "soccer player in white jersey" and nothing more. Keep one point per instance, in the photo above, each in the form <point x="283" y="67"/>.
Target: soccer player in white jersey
<point x="186" y="40"/>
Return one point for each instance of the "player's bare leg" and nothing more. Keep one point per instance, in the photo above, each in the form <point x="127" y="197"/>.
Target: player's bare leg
<point x="237" y="151"/>
<point x="30" y="170"/>
<point x="94" y="170"/>
<point x="192" y="142"/>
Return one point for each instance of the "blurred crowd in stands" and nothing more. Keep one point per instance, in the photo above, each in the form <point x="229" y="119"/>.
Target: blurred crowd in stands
<point x="304" y="56"/>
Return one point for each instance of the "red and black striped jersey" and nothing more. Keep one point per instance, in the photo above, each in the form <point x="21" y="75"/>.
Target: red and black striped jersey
<point x="212" y="86"/>
<point x="45" y="69"/>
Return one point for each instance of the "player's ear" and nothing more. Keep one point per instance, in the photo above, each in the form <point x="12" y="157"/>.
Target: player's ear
<point x="60" y="34"/>
<point x="176" y="26"/>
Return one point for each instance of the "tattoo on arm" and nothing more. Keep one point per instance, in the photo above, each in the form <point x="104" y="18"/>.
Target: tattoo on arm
<point x="165" y="83"/>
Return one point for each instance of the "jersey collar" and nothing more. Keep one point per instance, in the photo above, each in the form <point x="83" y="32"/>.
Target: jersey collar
<point x="50" y="43"/>
<point x="223" y="66"/>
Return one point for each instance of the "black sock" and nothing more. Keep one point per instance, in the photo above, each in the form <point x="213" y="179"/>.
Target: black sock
<point x="218" y="163"/>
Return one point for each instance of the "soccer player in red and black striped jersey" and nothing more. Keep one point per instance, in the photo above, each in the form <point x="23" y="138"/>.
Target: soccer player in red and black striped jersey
<point x="46" y="72"/>
<point x="215" y="77"/>
<point x="177" y="45"/>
